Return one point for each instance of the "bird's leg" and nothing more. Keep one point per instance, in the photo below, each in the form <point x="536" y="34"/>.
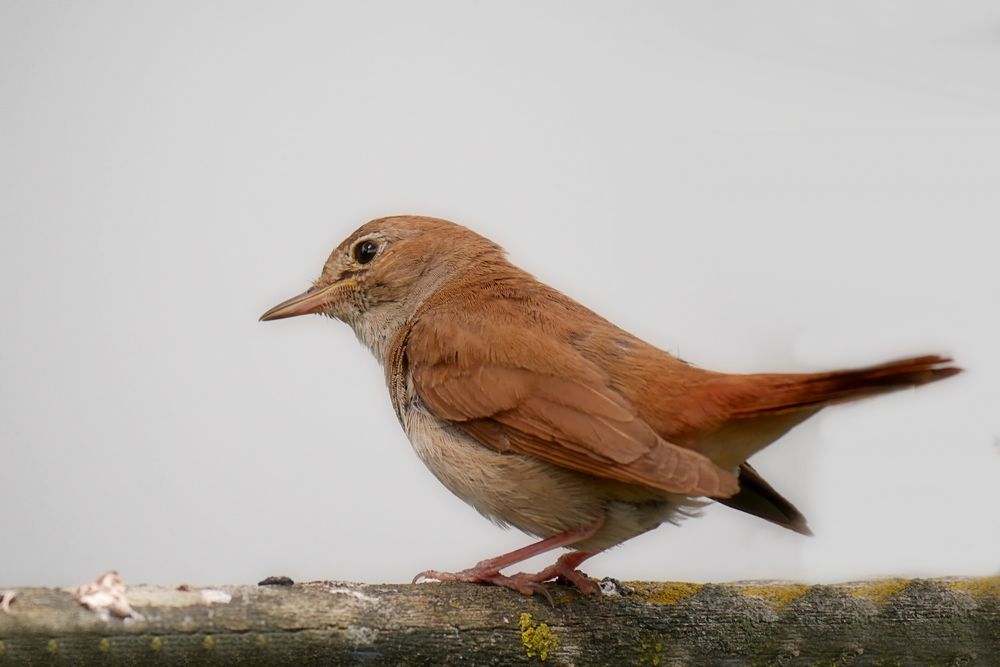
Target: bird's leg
<point x="564" y="568"/>
<point x="488" y="571"/>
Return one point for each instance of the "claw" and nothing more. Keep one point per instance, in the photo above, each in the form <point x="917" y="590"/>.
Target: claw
<point x="523" y="584"/>
<point x="544" y="592"/>
<point x="488" y="571"/>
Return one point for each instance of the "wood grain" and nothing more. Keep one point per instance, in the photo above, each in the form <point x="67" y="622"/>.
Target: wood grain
<point x="888" y="622"/>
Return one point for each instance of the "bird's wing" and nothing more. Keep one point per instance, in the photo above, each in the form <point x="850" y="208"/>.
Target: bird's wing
<point x="516" y="388"/>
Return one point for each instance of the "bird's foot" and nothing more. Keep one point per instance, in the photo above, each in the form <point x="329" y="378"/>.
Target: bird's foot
<point x="525" y="583"/>
<point x="564" y="569"/>
<point x="488" y="575"/>
<point x="583" y="583"/>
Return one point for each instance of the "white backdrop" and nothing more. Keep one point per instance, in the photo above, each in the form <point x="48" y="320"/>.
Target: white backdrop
<point x="757" y="186"/>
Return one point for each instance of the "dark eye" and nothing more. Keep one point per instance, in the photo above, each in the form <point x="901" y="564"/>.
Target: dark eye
<point x="365" y="251"/>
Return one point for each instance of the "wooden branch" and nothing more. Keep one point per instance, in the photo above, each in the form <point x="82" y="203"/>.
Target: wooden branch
<point x="888" y="622"/>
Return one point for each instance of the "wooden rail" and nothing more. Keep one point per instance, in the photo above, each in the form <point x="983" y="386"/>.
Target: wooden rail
<point x="888" y="622"/>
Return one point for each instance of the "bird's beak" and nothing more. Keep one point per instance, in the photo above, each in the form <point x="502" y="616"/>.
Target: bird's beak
<point x="311" y="301"/>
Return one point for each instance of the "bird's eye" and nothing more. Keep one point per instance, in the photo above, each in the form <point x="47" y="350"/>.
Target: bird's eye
<point x="365" y="251"/>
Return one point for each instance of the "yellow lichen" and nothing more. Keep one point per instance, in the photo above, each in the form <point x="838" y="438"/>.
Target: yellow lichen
<point x="537" y="638"/>
<point x="261" y="641"/>
<point x="979" y="587"/>
<point x="668" y="592"/>
<point x="104" y="645"/>
<point x="53" y="646"/>
<point x="208" y="642"/>
<point x="156" y="644"/>
<point x="652" y="653"/>
<point x="879" y="591"/>
<point x="777" y="596"/>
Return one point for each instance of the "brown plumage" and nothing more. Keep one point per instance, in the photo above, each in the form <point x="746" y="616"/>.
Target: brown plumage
<point x="545" y="416"/>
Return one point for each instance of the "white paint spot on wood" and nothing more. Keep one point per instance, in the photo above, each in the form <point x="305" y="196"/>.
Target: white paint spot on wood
<point x="215" y="596"/>
<point x="353" y="593"/>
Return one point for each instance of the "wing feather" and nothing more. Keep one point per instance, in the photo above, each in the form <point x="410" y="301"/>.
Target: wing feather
<point x="518" y="389"/>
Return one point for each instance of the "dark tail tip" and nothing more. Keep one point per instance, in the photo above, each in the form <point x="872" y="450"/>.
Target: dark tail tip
<point x="914" y="371"/>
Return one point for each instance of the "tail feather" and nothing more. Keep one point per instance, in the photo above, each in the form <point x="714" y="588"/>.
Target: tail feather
<point x="759" y="498"/>
<point x="759" y="409"/>
<point x="791" y="392"/>
<point x="763" y="407"/>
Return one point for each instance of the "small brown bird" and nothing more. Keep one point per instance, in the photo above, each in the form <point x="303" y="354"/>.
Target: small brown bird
<point x="545" y="416"/>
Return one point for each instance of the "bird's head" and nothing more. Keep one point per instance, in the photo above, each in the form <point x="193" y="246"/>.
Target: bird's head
<point x="390" y="266"/>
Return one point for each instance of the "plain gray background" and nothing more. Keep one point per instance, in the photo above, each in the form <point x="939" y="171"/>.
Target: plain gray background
<point x="756" y="186"/>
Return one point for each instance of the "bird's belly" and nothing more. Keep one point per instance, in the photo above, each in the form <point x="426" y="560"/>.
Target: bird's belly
<point x="530" y="494"/>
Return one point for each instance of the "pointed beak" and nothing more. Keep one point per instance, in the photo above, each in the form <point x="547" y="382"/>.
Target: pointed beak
<point x="311" y="301"/>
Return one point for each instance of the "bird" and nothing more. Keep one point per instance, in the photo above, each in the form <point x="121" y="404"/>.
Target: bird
<point x="543" y="415"/>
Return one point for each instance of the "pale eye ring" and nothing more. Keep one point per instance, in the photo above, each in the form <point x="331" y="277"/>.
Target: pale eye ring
<point x="365" y="251"/>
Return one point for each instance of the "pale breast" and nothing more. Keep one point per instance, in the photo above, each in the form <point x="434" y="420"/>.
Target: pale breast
<point x="530" y="494"/>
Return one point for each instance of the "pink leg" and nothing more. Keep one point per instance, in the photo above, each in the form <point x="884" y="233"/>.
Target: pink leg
<point x="488" y="571"/>
<point x="565" y="568"/>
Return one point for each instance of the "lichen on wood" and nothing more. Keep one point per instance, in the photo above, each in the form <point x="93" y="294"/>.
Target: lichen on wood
<point x="900" y="621"/>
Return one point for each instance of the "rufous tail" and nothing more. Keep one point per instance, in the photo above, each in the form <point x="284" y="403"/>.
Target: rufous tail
<point x="796" y="391"/>
<point x="777" y="402"/>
